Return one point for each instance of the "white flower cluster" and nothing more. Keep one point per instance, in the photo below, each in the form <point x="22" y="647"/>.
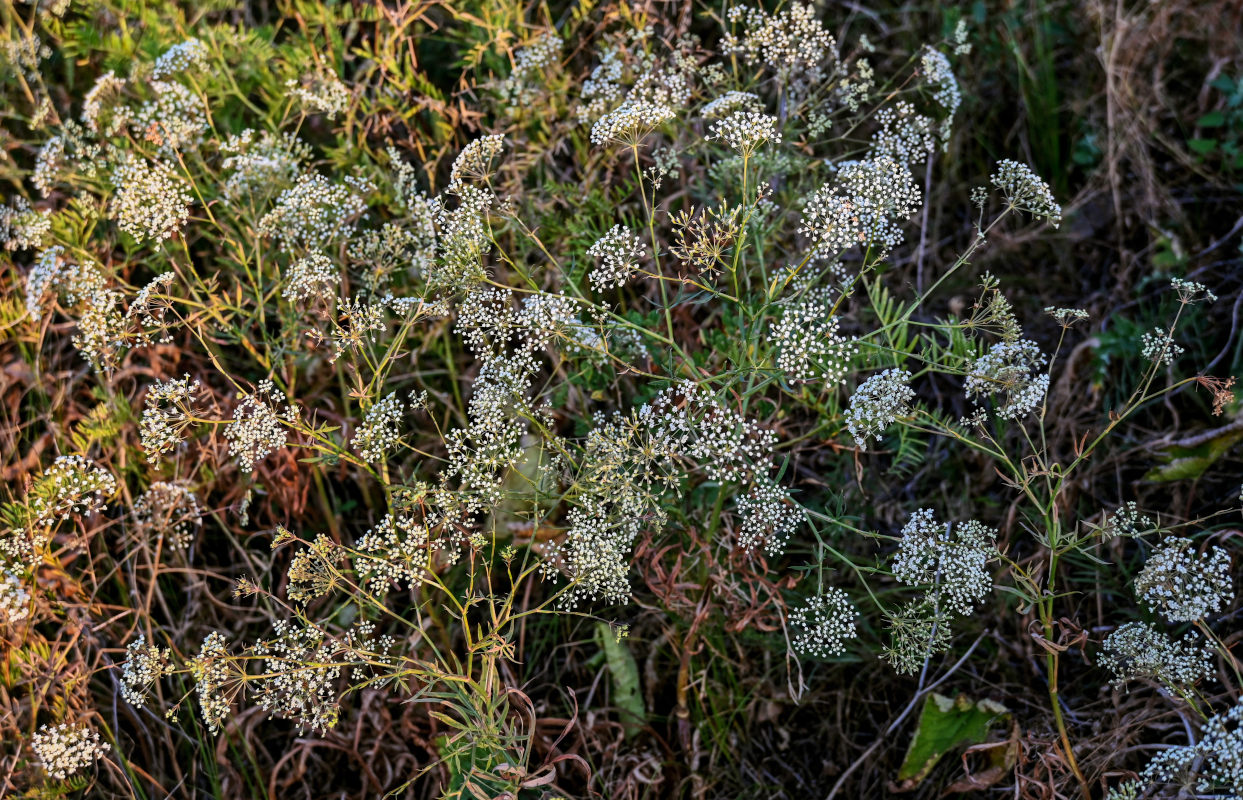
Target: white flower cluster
<point x="1126" y="521"/>
<point x="392" y="250"/>
<point x="529" y="75"/>
<point x="545" y="319"/>
<point x="108" y="87"/>
<point x="313" y="570"/>
<point x="744" y="131"/>
<point x="173" y="120"/>
<point x="214" y="679"/>
<point x="731" y="101"/>
<point x="312" y="277"/>
<point x="808" y="344"/>
<point x="259" y="164"/>
<point x="72" y="485"/>
<point x="302" y="666"/>
<point x="862" y="207"/>
<point x="103" y="329"/>
<point x="1192" y="292"/>
<point x="1138" y="651"/>
<point x="14" y="599"/>
<point x="22" y="227"/>
<point x="722" y="442"/>
<point x="1211" y="767"/>
<point x="150" y="309"/>
<point x="103" y="325"/>
<point x="322" y="93"/>
<point x="462" y="239"/>
<point x="1006" y="372"/>
<point x="632" y="460"/>
<point x="769" y="517"/>
<point x="257" y="427"/>
<point x="474" y="162"/>
<point x="824" y="624"/>
<point x="602" y="90"/>
<point x="73" y="148"/>
<point x="630" y="122"/>
<point x="65" y="750"/>
<point x="620" y="251"/>
<point x="793" y="44"/>
<point x="1066" y="316"/>
<point x="358" y="323"/>
<point x="1026" y="191"/>
<point x="1183" y="585"/>
<point x="300" y="673"/>
<point x="73" y="282"/>
<point x="903" y="134"/>
<point x="188" y="55"/>
<point x="949" y="559"/>
<point x="167" y="415"/>
<point x="394" y="552"/>
<point x="937" y="72"/>
<point x="22" y="54"/>
<point x="315" y="212"/>
<point x="877" y="404"/>
<point x="491" y="442"/>
<point x="169" y="511"/>
<point x="144" y="665"/>
<point x="151" y="201"/>
<point x="379" y="432"/>
<point x="1159" y="347"/>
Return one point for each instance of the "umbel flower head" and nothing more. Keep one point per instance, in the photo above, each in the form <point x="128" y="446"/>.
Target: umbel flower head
<point x="1008" y="372"/>
<point x="793" y="44"/>
<point x="744" y="131"/>
<point x="169" y="511"/>
<point x="151" y="201"/>
<point x="65" y="750"/>
<point x="1138" y="651"/>
<point x="258" y="425"/>
<point x="949" y="559"/>
<point x="167" y="416"/>
<point x="864" y="207"/>
<point x="808" y="344"/>
<point x="144" y="665"/>
<point x="619" y="252"/>
<point x="630" y="122"/>
<point x="1185" y="585"/>
<point x="1209" y="766"/>
<point x="824" y="624"/>
<point x="378" y="434"/>
<point x="877" y="404"/>
<point x="1024" y="190"/>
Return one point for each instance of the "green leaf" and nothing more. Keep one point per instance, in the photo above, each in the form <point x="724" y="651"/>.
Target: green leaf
<point x="1186" y="463"/>
<point x="1223" y="83"/>
<point x="945" y="725"/>
<point x="1213" y="119"/>
<point x="1202" y="146"/>
<point x="626" y="694"/>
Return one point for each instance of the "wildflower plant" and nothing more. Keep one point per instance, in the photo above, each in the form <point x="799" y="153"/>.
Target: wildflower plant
<point x="412" y="362"/>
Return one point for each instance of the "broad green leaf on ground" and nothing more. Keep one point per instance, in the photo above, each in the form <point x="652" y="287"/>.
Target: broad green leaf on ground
<point x="1184" y="463"/>
<point x="946" y="724"/>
